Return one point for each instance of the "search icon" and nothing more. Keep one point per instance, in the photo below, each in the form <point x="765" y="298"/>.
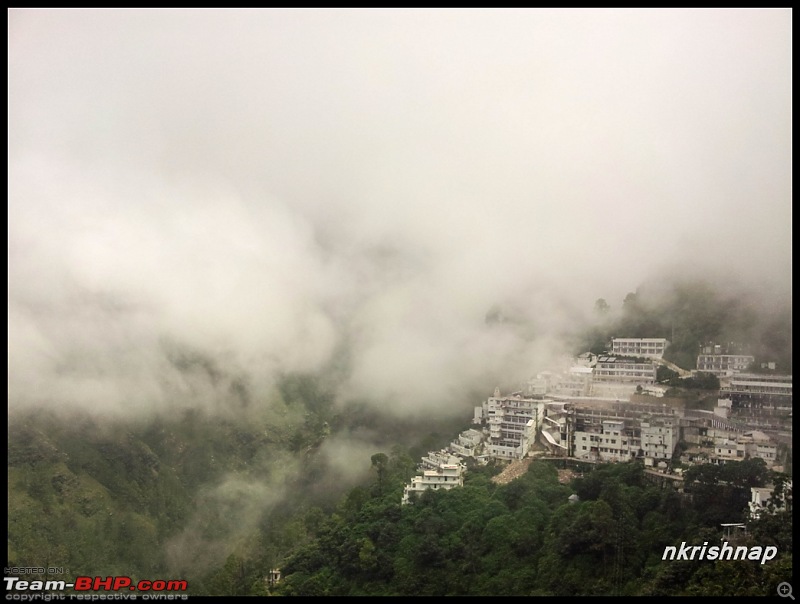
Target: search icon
<point x="785" y="590"/>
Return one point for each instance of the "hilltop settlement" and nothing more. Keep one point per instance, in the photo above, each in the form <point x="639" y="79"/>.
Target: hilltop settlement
<point x="614" y="408"/>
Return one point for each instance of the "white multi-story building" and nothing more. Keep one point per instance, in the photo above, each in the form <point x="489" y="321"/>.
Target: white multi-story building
<point x="654" y="440"/>
<point x="640" y="347"/>
<point x="625" y="371"/>
<point x="763" y="387"/>
<point x="727" y="450"/>
<point x="761" y="401"/>
<point x="467" y="444"/>
<point x="759" y="444"/>
<point x="723" y="365"/>
<point x="611" y="442"/>
<point x="736" y="447"/>
<point x="445" y="476"/>
<point x="767" y="451"/>
<point x="436" y="459"/>
<point x="659" y="437"/>
<point x="513" y="422"/>
<point x="606" y="431"/>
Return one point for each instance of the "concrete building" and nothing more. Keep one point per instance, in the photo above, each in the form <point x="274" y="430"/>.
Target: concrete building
<point x="659" y="436"/>
<point x="611" y="441"/>
<point x="446" y="476"/>
<point x="752" y="444"/>
<point x="722" y="365"/>
<point x="715" y="439"/>
<point x="436" y="459"/>
<point x="618" y="431"/>
<point x="588" y="376"/>
<point x="760" y="401"/>
<point x="728" y="450"/>
<point x="653" y="440"/>
<point x="758" y="444"/>
<point x="624" y="371"/>
<point x="477" y="416"/>
<point x="599" y="429"/>
<point x="756" y="387"/>
<point x="652" y="348"/>
<point x="513" y="422"/>
<point x="468" y="444"/>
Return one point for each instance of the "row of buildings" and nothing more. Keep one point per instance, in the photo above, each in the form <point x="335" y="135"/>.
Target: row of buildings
<point x="721" y="360"/>
<point x="444" y="469"/>
<point x="587" y="429"/>
<point x="594" y="430"/>
<point x="584" y="410"/>
<point x="760" y="401"/>
<point x="598" y="376"/>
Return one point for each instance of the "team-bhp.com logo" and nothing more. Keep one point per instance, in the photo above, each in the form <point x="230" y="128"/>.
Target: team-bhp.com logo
<point x="90" y="586"/>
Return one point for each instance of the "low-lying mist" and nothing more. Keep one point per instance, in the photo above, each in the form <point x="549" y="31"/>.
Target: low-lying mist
<point x="360" y="189"/>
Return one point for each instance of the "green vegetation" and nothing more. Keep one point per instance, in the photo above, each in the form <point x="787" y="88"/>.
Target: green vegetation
<point x="700" y="381"/>
<point x="219" y="500"/>
<point x="525" y="538"/>
<point x="213" y="500"/>
<point x="691" y="312"/>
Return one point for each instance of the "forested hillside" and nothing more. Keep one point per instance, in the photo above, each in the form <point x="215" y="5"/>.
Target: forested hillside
<point x="221" y="503"/>
<point x="525" y="538"/>
<point x="299" y="480"/>
<point x="179" y="497"/>
<point x="691" y="312"/>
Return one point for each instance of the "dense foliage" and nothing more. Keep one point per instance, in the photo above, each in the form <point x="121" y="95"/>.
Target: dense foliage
<point x="211" y="499"/>
<point x="689" y="313"/>
<point x="222" y="499"/>
<point x="526" y="538"/>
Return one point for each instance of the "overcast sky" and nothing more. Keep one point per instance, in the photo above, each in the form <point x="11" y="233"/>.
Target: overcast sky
<point x="270" y="186"/>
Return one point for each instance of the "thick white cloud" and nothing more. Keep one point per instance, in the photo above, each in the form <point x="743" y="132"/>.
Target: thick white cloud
<point x="263" y="185"/>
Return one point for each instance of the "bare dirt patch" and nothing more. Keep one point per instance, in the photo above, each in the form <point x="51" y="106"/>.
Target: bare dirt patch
<point x="514" y="470"/>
